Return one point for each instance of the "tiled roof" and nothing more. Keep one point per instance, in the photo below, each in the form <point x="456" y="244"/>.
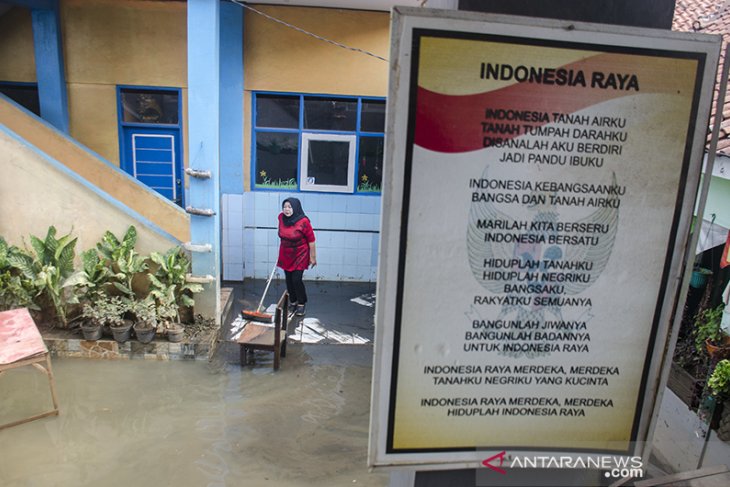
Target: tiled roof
<point x="709" y="17"/>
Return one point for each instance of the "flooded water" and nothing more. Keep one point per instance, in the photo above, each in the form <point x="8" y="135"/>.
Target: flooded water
<point x="140" y="423"/>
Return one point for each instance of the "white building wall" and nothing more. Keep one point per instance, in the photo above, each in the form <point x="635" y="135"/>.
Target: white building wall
<point x="347" y="228"/>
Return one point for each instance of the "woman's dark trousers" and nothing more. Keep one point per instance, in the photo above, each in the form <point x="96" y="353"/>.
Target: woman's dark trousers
<point x="295" y="287"/>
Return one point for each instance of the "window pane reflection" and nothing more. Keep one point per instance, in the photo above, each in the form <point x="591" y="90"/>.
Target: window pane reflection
<point x="370" y="168"/>
<point x="148" y="106"/>
<point x="277" y="111"/>
<point x="373" y="116"/>
<point x="330" y="114"/>
<point x="327" y="162"/>
<point x="277" y="155"/>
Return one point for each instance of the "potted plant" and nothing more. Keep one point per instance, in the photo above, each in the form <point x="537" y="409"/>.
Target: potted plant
<point x="169" y="278"/>
<point x="169" y="313"/>
<point x="93" y="321"/>
<point x="97" y="275"/>
<point x="709" y="334"/>
<point x="145" y="324"/>
<point x="96" y="278"/>
<point x="115" y="309"/>
<point x="171" y="290"/>
<point x="719" y="384"/>
<point x="108" y="311"/>
<point x="699" y="277"/>
<point x="125" y="265"/>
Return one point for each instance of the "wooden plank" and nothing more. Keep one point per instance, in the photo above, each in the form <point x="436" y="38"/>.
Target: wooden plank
<point x="19" y="336"/>
<point x="684" y="385"/>
<point x="257" y="335"/>
<point x="23" y="362"/>
<point x="28" y="420"/>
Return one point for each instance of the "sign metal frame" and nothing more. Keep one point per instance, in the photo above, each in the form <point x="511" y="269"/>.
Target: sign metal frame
<point x="409" y="26"/>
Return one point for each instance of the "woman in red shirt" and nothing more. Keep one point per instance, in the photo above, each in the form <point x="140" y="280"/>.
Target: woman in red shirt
<point x="297" y="251"/>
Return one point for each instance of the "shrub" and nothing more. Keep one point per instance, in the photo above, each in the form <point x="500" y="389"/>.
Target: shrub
<point x="49" y="267"/>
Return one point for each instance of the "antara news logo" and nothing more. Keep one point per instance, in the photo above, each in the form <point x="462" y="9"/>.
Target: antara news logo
<point x="613" y="466"/>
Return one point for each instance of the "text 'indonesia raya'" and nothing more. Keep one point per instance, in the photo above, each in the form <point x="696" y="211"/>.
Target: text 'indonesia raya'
<point x="559" y="76"/>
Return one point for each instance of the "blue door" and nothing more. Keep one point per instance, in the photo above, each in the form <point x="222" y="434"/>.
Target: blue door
<point x="152" y="155"/>
<point x="149" y="133"/>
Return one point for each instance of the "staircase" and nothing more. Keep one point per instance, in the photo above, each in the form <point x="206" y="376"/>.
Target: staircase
<point x="120" y="186"/>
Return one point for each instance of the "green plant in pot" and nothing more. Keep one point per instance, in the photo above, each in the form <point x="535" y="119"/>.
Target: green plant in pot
<point x="145" y="323"/>
<point x="49" y="267"/>
<point x="699" y="277"/>
<point x="115" y="309"/>
<point x="124" y="263"/>
<point x="93" y="321"/>
<point x="108" y="311"/>
<point x="708" y="332"/>
<point x="98" y="275"/>
<point x="168" y="312"/>
<point x="719" y="384"/>
<point x="97" y="279"/>
<point x="170" y="277"/>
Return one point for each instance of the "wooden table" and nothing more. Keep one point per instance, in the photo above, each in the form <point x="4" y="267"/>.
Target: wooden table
<point x="21" y="344"/>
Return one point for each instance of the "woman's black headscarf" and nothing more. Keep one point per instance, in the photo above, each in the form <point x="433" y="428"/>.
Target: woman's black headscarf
<point x="298" y="214"/>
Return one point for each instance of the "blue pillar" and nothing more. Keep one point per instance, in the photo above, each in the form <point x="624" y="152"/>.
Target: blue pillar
<point x="204" y="144"/>
<point x="231" y="98"/>
<point x="49" y="64"/>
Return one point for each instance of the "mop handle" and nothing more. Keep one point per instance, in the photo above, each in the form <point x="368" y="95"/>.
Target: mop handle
<point x="268" y="283"/>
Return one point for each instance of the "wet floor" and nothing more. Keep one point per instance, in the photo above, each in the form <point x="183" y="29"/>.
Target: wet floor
<point x="141" y="423"/>
<point x="145" y="423"/>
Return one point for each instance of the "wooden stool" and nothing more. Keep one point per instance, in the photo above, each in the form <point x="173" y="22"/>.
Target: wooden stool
<point x="21" y="344"/>
<point x="265" y="336"/>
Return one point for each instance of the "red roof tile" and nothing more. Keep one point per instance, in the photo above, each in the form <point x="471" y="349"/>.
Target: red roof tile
<point x="709" y="17"/>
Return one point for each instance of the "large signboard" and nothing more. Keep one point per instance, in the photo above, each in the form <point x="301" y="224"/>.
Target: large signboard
<point x="540" y="184"/>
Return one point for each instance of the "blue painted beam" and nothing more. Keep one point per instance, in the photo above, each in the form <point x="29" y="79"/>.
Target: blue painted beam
<point x="231" y="98"/>
<point x="50" y="71"/>
<point x="204" y="143"/>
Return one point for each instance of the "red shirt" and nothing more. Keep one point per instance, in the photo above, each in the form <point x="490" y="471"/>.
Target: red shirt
<point x="294" y="247"/>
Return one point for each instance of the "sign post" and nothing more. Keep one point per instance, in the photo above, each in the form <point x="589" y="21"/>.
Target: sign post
<point x="541" y="177"/>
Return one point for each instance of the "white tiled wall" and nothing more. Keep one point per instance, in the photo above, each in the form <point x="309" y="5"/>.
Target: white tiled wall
<point x="346" y="227"/>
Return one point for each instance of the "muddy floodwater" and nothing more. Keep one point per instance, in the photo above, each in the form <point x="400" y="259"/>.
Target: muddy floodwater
<point x="144" y="423"/>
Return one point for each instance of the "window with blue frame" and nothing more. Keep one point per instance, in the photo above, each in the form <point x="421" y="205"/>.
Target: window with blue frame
<point x="318" y="143"/>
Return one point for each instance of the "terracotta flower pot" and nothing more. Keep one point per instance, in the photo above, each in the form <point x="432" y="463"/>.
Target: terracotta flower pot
<point x="718" y="349"/>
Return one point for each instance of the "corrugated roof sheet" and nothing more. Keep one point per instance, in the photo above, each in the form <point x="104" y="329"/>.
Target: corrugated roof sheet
<point x="709" y="17"/>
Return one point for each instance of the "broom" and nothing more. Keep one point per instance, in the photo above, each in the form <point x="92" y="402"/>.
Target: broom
<point x="258" y="315"/>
